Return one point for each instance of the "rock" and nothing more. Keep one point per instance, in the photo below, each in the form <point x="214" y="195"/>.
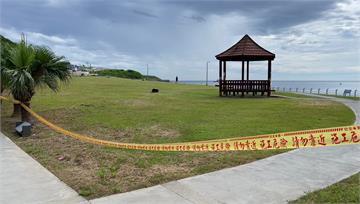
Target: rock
<point x="61" y="158"/>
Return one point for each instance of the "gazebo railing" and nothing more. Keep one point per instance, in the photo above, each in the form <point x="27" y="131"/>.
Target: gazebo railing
<point x="237" y="86"/>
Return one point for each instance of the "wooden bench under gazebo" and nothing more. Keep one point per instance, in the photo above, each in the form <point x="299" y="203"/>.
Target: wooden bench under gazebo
<point x="245" y="50"/>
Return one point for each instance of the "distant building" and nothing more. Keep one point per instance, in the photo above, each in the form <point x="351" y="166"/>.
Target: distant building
<point x="74" y="67"/>
<point x="80" y="73"/>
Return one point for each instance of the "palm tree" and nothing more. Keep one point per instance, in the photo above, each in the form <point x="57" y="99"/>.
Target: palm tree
<point x="31" y="67"/>
<point x="5" y="47"/>
<point x="3" y="74"/>
<point x="4" y="62"/>
<point x="17" y="62"/>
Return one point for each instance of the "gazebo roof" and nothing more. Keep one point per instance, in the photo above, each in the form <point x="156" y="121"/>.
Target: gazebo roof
<point x="245" y="50"/>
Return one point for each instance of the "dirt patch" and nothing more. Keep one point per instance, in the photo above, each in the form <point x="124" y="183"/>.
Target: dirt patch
<point x="137" y="103"/>
<point x="169" y="169"/>
<point x="315" y="102"/>
<point x="108" y="134"/>
<point x="151" y="133"/>
<point x="158" y="131"/>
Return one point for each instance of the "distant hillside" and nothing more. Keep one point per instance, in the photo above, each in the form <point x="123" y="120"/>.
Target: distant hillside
<point x="5" y="46"/>
<point x="6" y="42"/>
<point x="152" y="78"/>
<point x="129" y="74"/>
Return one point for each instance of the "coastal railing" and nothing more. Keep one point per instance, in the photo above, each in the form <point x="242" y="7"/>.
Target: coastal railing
<point x="320" y="91"/>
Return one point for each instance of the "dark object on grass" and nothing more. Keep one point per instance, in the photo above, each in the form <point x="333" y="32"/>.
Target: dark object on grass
<point x="23" y="129"/>
<point x="155" y="91"/>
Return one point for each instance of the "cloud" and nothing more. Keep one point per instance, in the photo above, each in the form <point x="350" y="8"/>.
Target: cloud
<point x="70" y="48"/>
<point x="176" y="38"/>
<point x="143" y="13"/>
<point x="322" y="45"/>
<point x="269" y="16"/>
<point x="196" y="18"/>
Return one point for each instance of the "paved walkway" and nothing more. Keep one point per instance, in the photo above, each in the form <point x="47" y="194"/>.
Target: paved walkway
<point x="24" y="180"/>
<point x="276" y="179"/>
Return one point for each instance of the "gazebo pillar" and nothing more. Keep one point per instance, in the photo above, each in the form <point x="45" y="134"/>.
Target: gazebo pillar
<point x="248" y="86"/>
<point x="269" y="78"/>
<point x="224" y="78"/>
<point x="224" y="70"/>
<point x="220" y="77"/>
<point x="242" y="71"/>
<point x="247" y="70"/>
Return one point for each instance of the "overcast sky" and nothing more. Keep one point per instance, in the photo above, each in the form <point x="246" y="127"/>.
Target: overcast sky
<point x="312" y="40"/>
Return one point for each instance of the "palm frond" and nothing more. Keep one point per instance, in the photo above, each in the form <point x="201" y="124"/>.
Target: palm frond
<point x="20" y="60"/>
<point x="49" y="69"/>
<point x="4" y="65"/>
<point x="22" y="56"/>
<point x="21" y="84"/>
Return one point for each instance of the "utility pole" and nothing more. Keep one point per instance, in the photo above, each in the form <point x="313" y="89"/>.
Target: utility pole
<point x="207" y="72"/>
<point x="147" y="69"/>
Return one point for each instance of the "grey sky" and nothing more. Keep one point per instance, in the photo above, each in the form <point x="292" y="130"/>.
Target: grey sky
<point x="311" y="39"/>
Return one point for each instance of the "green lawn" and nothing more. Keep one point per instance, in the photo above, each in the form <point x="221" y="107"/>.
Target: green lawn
<point x="125" y="110"/>
<point x="346" y="97"/>
<point x="345" y="191"/>
<point x="291" y="94"/>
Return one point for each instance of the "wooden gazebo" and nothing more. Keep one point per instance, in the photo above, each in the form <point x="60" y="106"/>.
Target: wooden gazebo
<point x="245" y="50"/>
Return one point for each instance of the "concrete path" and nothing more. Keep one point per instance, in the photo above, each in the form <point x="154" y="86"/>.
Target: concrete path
<point x="24" y="180"/>
<point x="276" y="179"/>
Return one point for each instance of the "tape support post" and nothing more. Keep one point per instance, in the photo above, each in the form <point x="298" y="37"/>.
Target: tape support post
<point x="287" y="140"/>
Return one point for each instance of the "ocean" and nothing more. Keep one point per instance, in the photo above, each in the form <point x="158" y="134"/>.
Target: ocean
<point x="307" y="86"/>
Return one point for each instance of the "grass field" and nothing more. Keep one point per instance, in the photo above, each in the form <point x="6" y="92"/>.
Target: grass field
<point x="345" y="191"/>
<point x="355" y="98"/>
<point x="125" y="110"/>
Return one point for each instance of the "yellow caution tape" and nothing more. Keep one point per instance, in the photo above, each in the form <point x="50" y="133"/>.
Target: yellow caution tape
<point x="286" y="140"/>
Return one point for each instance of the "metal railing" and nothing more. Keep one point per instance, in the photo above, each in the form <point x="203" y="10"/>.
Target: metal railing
<point x="319" y="91"/>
